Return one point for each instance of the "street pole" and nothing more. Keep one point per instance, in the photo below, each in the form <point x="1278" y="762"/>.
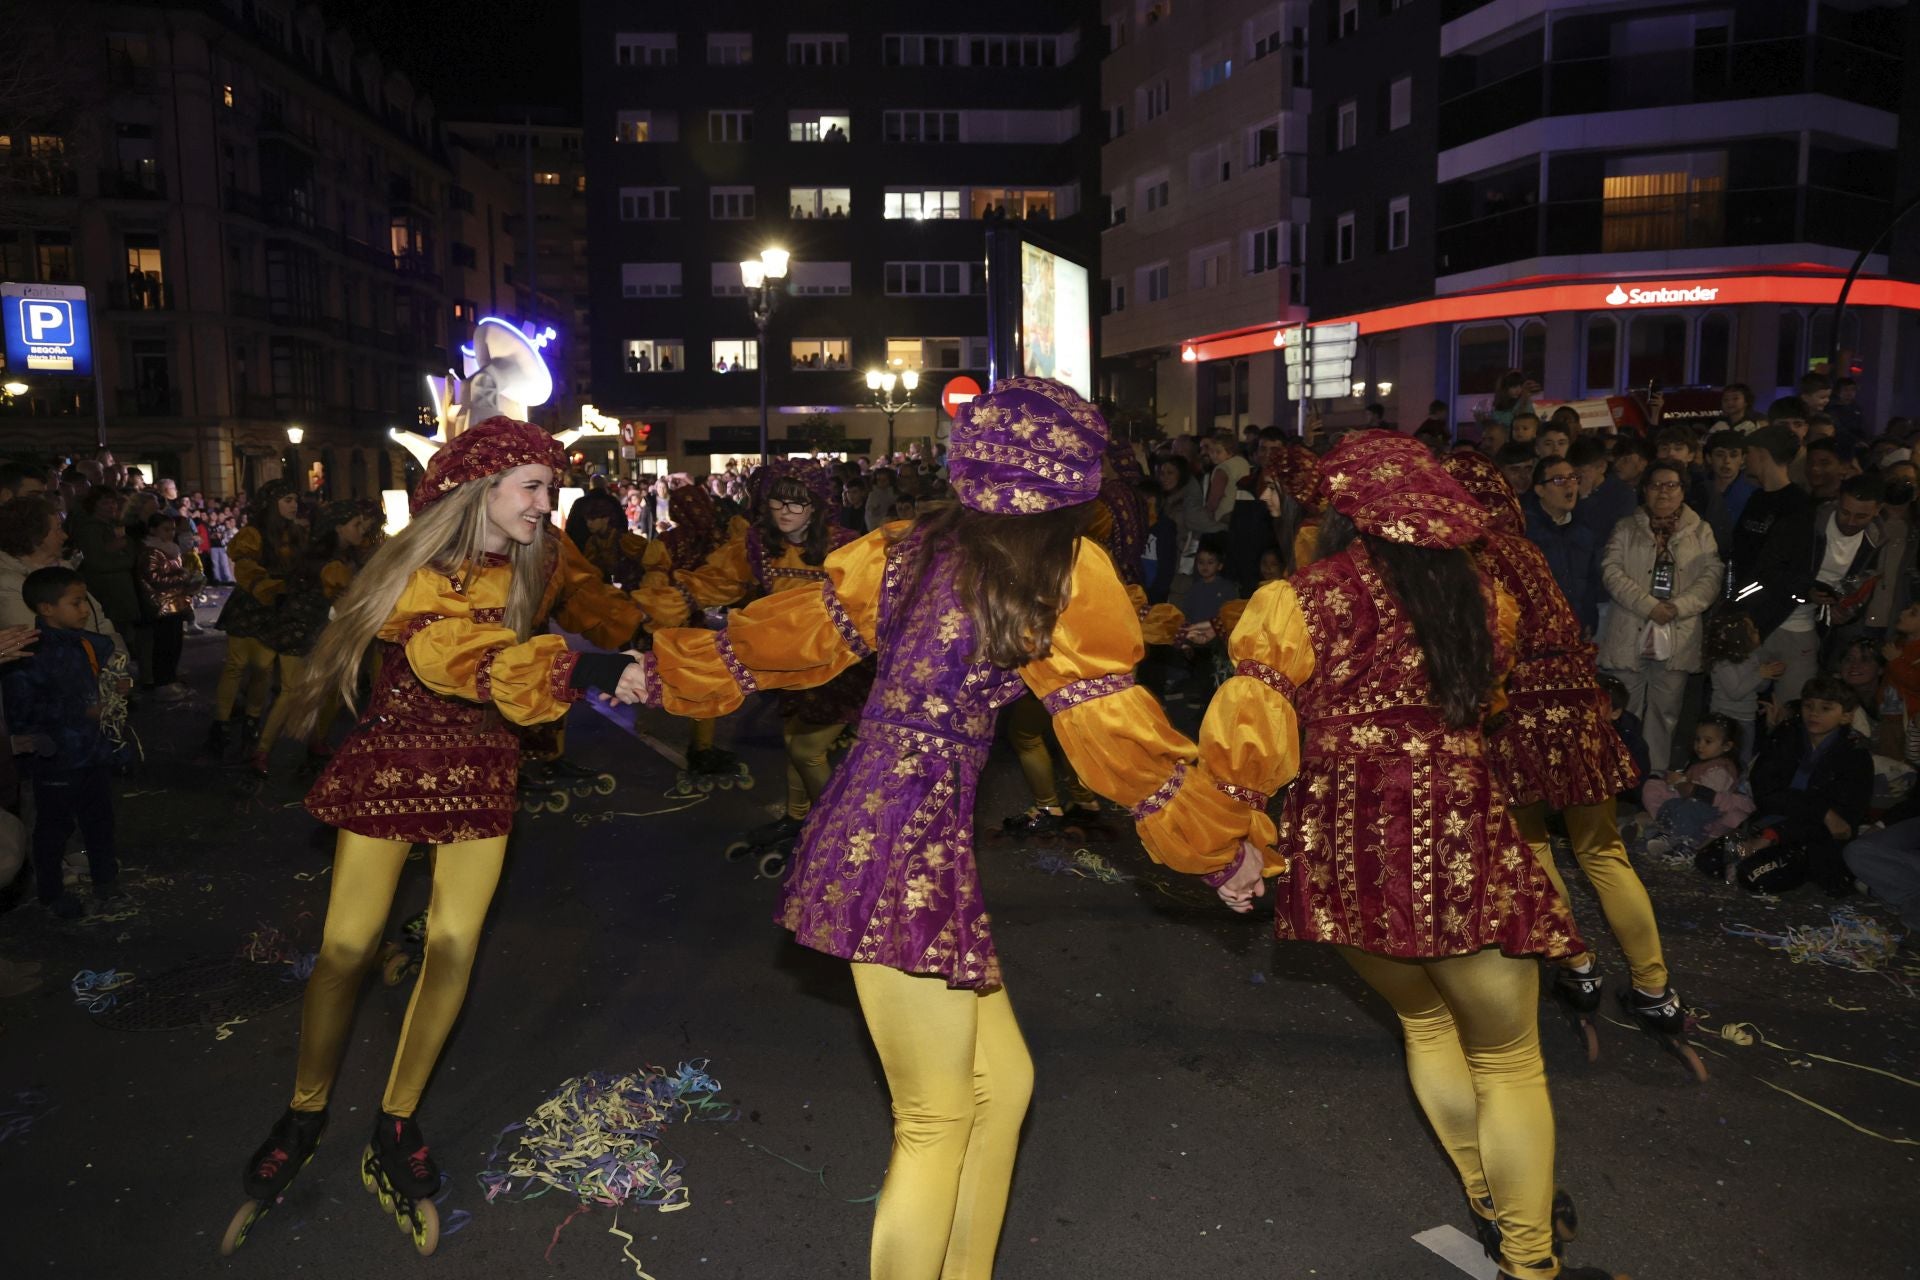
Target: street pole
<point x="890" y="415"/>
<point x="761" y="316"/>
<point x="1846" y="287"/>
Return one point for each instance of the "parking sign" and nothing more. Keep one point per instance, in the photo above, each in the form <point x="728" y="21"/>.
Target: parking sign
<point x="46" y="328"/>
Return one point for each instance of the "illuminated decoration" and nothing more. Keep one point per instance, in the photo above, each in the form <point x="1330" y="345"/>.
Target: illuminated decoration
<point x="504" y="375"/>
<point x="539" y="337"/>
<point x="592" y="423"/>
<point x="1818" y="289"/>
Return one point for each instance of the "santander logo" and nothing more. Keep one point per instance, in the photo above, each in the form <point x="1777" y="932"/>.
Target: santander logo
<point x="1661" y="294"/>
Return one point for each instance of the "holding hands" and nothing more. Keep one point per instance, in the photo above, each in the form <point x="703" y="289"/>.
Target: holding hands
<point x="633" y="683"/>
<point x="1245" y="884"/>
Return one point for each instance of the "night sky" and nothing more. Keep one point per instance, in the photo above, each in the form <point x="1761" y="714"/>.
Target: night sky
<point x="475" y="57"/>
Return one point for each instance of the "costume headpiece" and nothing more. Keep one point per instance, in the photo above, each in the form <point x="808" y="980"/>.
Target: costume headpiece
<point x="817" y="479"/>
<point x="1296" y="470"/>
<point x="1482" y="478"/>
<point x="485" y="449"/>
<point x="1029" y="445"/>
<point x="1392" y="487"/>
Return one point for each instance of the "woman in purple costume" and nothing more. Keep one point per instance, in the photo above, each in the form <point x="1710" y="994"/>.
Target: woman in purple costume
<point x="966" y="610"/>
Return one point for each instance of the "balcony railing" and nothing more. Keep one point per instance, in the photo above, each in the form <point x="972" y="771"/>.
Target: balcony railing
<point x="47" y="178"/>
<point x="146" y="295"/>
<point x="147" y="402"/>
<point x="133" y="184"/>
<point x="1734" y="72"/>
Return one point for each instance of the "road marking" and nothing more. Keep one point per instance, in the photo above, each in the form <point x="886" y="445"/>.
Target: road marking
<point x="1461" y="1249"/>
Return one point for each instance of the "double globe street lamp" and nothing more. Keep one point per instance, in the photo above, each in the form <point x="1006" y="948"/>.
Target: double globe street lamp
<point x="765" y="280"/>
<point x="881" y="382"/>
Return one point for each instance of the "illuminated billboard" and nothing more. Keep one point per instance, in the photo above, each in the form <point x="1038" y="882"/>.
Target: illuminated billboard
<point x="46" y="329"/>
<point x="1056" y="328"/>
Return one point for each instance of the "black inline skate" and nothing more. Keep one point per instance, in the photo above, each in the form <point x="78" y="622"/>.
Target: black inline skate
<point x="579" y="779"/>
<point x="1566" y="1222"/>
<point x="1578" y="992"/>
<point x="1042" y="822"/>
<point x="768" y="845"/>
<point x="272" y="1170"/>
<point x="398" y="1169"/>
<point x="542" y="790"/>
<point x="711" y="769"/>
<point x="1664" y="1017"/>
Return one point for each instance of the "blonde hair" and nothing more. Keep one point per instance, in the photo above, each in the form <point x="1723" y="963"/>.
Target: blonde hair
<point x="450" y="537"/>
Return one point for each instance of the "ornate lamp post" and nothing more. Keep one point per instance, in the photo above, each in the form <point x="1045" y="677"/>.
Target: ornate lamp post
<point x="295" y="434"/>
<point x="881" y="383"/>
<point x="765" y="280"/>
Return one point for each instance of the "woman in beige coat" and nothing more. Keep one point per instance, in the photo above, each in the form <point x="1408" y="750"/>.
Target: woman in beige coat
<point x="1662" y="571"/>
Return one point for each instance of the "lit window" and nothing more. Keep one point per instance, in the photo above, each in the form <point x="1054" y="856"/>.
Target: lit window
<point x="655" y="355"/>
<point x="646" y="126"/>
<point x="818" y="126"/>
<point x="226" y="95"/>
<point x="731" y="354"/>
<point x="819" y="202"/>
<point x="546" y="178"/>
<point x="821" y="353"/>
<point x="934" y="353"/>
<point x="921" y="204"/>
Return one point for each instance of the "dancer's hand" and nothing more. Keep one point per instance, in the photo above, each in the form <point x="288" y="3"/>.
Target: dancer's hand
<point x="1245" y="884"/>
<point x="633" y="682"/>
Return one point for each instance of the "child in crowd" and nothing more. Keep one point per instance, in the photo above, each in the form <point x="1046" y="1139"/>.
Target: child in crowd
<point x="1732" y="653"/>
<point x="1811" y="784"/>
<point x="1271" y="569"/>
<point x="1210" y="588"/>
<point x="1627" y="725"/>
<point x="1707" y="799"/>
<point x="53" y="703"/>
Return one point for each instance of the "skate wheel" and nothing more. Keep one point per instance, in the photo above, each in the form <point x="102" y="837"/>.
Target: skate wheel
<point x="743" y="779"/>
<point x="1592" y="1035"/>
<point x="771" y="865"/>
<point x="583" y="789"/>
<point x="706" y="785"/>
<point x="529" y="805"/>
<point x="243" y="1219"/>
<point x="397" y="968"/>
<point x="557" y="802"/>
<point x="737" y="850"/>
<point x="605" y="784"/>
<point x="426" y="1227"/>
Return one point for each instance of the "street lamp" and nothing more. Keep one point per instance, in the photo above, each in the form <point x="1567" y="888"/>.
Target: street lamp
<point x="296" y="434"/>
<point x="882" y="383"/>
<point x="765" y="280"/>
<point x="14" y="387"/>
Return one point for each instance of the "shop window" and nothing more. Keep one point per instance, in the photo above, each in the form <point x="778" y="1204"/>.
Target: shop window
<point x="1656" y="352"/>
<point x="1602" y="355"/>
<point x="1716" y="349"/>
<point x="1484" y="353"/>
<point x="1533" y="350"/>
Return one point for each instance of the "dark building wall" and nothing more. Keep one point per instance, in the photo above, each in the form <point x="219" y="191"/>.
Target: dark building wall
<point x="1383" y="163"/>
<point x="864" y="87"/>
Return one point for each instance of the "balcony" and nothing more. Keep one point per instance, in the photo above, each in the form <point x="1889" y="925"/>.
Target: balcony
<point x="1736" y="72"/>
<point x="48" y="178"/>
<point x="133" y="184"/>
<point x="146" y="402"/>
<point x="274" y="125"/>
<point x="146" y="295"/>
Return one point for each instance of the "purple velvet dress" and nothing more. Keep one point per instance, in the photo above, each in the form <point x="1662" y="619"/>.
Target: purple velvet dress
<point x="884" y="872"/>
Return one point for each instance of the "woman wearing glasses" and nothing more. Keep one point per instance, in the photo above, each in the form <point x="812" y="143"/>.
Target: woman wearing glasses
<point x="1555" y="748"/>
<point x="793" y="530"/>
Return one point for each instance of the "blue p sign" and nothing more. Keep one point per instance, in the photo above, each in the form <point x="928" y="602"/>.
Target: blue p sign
<point x="47" y="321"/>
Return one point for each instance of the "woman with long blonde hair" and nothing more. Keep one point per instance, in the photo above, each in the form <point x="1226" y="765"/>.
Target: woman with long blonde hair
<point x="456" y="602"/>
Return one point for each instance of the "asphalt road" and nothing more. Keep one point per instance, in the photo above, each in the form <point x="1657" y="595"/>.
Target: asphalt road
<point x="1208" y="1104"/>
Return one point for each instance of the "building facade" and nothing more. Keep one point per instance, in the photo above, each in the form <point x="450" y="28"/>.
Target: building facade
<point x="875" y="145"/>
<point x="1604" y="197"/>
<point x="256" y="208"/>
<point x="1204" y="175"/>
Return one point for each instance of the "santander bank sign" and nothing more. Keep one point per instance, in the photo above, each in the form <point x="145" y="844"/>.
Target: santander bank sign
<point x="1660" y="295"/>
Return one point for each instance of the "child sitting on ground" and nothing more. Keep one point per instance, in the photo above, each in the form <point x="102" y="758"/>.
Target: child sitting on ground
<point x="53" y="701"/>
<point x="1811" y="785"/>
<point x="1707" y="799"/>
<point x="1627" y="725"/>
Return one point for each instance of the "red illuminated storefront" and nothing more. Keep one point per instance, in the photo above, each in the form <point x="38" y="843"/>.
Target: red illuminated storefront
<point x="1591" y="336"/>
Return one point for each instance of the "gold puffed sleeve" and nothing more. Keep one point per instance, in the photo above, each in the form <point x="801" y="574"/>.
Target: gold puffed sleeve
<point x="1251" y="736"/>
<point x="1225" y="621"/>
<point x="1306" y="544"/>
<point x="458" y="657"/>
<point x="1117" y="736"/>
<point x="584" y="604"/>
<point x="248" y="551"/>
<point x="335" y="577"/>
<point x="725" y="577"/>
<point x="1159" y="623"/>
<point x="793" y="639"/>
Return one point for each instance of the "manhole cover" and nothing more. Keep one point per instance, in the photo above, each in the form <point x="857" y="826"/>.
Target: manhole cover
<point x="204" y="994"/>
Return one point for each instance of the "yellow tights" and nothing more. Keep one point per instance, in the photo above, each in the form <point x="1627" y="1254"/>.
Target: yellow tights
<point x="960" y="1077"/>
<point x="365" y="874"/>
<point x="1472" y="1026"/>
<point x="1027" y="722"/>
<point x="247" y="660"/>
<point x="700" y="738"/>
<point x="1595" y="834"/>
<point x="807" y="767"/>
<point x="293" y="669"/>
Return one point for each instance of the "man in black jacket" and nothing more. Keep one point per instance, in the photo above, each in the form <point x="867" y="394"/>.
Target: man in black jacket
<point x="1772" y="573"/>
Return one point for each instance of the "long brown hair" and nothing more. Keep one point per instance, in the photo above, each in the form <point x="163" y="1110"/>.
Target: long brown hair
<point x="1441" y="593"/>
<point x="1012" y="574"/>
<point x="450" y="536"/>
<point x="814" y="543"/>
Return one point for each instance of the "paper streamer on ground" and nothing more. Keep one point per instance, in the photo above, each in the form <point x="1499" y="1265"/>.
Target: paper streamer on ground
<point x="1849" y="941"/>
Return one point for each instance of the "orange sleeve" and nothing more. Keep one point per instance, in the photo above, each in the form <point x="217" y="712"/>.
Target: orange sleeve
<point x="1251" y="735"/>
<point x="790" y="640"/>
<point x="587" y="606"/>
<point x="1116" y="735"/>
<point x="458" y="657"/>
<point x="1159" y="623"/>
